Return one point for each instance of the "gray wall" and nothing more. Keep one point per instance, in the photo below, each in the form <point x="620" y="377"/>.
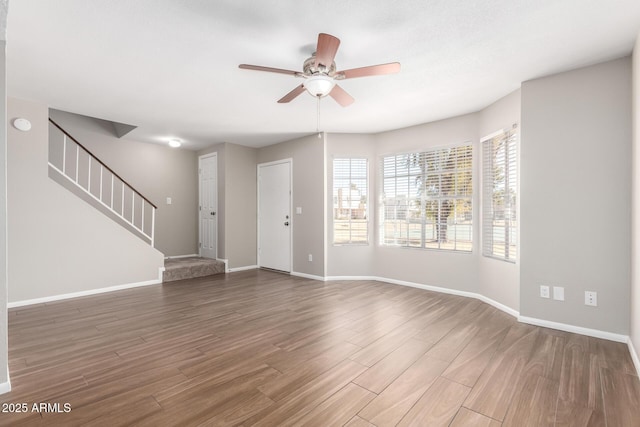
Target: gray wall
<point x="635" y="212"/>
<point x="499" y="280"/>
<point x="237" y="198"/>
<point x="576" y="187"/>
<point x="59" y="244"/>
<point x="351" y="260"/>
<point x="308" y="155"/>
<point x="241" y="206"/>
<point x="4" y="346"/>
<point x="495" y="279"/>
<point x="434" y="268"/>
<point x="157" y="171"/>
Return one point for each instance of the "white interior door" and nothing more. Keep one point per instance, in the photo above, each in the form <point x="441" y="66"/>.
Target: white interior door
<point x="208" y="185"/>
<point x="274" y="215"/>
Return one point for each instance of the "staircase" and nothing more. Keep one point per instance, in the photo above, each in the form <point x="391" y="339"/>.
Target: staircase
<point x="96" y="230"/>
<point x="77" y="169"/>
<point x="190" y="267"/>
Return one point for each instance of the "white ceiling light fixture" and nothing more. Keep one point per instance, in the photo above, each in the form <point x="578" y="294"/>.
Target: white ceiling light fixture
<point x="319" y="85"/>
<point x="21" y="124"/>
<point x="175" y="143"/>
<point x="319" y="72"/>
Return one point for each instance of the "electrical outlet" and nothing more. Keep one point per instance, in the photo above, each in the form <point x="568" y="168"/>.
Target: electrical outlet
<point x="544" y="291"/>
<point x="310" y="258"/>
<point x="590" y="298"/>
<point x="558" y="293"/>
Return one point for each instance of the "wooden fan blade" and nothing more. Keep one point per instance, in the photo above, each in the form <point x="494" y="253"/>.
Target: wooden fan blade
<point x="326" y="50"/>
<point x="372" y="70"/>
<point x="269" y="69"/>
<point x="341" y="97"/>
<point x="292" y="95"/>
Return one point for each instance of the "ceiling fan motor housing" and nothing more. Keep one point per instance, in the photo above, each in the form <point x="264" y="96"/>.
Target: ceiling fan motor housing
<point x="320" y="79"/>
<point x="309" y="67"/>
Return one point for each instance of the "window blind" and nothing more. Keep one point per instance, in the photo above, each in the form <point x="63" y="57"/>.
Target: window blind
<point x="499" y="224"/>
<point x="350" y="201"/>
<point x="427" y="199"/>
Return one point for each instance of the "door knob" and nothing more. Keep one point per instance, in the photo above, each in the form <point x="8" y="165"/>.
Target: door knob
<point x="286" y="223"/>
<point x="213" y="213"/>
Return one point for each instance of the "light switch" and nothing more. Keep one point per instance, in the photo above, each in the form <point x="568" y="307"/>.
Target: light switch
<point x="299" y="210"/>
<point x="558" y="293"/>
<point x="168" y="200"/>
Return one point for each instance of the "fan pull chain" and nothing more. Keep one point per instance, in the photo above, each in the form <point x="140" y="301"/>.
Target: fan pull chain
<point x="318" y="118"/>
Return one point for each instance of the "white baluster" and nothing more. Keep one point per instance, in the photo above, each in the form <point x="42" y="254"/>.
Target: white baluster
<point x="77" y="161"/>
<point x="64" y="154"/>
<point x="111" y="205"/>
<point x="99" y="198"/>
<point x="153" y="225"/>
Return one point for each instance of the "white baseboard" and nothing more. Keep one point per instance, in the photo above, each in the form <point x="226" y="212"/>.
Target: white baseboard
<point x="307" y="276"/>
<point x="334" y="278"/>
<point x="6" y="386"/>
<point x="499" y="306"/>
<point x="634" y="356"/>
<point x="246" y="267"/>
<point x="524" y="319"/>
<point x="82" y="293"/>
<point x="574" y="329"/>
<point x="226" y="264"/>
<point x="449" y="291"/>
<point x="182" y="256"/>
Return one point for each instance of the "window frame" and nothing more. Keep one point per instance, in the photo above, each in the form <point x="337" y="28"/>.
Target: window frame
<point x="460" y="245"/>
<point x="367" y="203"/>
<point x="510" y="168"/>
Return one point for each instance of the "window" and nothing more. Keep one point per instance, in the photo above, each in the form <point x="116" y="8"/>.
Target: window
<point x="426" y="199"/>
<point x="499" y="180"/>
<point x="350" y="202"/>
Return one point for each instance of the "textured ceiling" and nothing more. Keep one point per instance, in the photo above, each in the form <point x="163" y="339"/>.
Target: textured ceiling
<point x="171" y="67"/>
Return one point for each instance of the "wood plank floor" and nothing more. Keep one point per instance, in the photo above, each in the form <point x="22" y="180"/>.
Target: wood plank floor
<point x="266" y="349"/>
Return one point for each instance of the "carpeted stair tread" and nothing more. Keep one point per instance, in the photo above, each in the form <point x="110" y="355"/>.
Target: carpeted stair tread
<point x="188" y="268"/>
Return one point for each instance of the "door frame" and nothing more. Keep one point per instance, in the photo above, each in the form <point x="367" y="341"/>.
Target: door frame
<point x="200" y="158"/>
<point x="288" y="160"/>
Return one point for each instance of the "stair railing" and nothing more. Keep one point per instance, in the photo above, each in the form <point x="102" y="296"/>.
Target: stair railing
<point x="91" y="175"/>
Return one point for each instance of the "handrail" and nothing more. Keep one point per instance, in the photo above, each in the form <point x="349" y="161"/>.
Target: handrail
<point x="102" y="163"/>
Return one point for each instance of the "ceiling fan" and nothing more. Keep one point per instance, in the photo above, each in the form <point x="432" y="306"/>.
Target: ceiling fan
<point x="319" y="72"/>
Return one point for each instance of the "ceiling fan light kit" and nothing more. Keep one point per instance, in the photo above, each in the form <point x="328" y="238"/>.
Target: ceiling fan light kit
<point x="319" y="72"/>
<point x="319" y="85"/>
